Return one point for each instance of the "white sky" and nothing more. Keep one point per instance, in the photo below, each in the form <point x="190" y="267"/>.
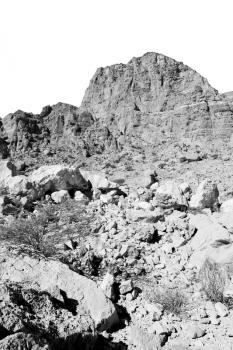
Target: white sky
<point x="49" y="49"/>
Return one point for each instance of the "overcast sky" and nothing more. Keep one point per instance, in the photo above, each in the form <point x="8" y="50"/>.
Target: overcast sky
<point x="51" y="48"/>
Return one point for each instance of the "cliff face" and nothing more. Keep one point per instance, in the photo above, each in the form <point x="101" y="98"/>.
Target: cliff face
<point x="56" y="125"/>
<point x="160" y="97"/>
<point x="151" y="83"/>
<point x="151" y="99"/>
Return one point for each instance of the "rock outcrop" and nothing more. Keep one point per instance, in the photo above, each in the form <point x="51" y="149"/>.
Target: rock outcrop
<point x="48" y="179"/>
<point x="64" y="285"/>
<point x="158" y="97"/>
<point x="206" y="196"/>
<point x="151" y="83"/>
<point x="55" y="126"/>
<point x="149" y="99"/>
<point x="116" y="217"/>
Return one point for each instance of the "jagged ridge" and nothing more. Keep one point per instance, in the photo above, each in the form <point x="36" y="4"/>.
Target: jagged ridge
<point x="150" y="98"/>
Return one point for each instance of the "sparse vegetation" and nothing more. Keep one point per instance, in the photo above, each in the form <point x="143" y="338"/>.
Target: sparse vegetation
<point x="213" y="280"/>
<point x="30" y="234"/>
<point x="174" y="300"/>
<point x="49" y="225"/>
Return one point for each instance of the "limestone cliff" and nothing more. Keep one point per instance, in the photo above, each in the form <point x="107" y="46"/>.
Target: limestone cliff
<point x="160" y="97"/>
<point x="150" y="99"/>
<point x="151" y="83"/>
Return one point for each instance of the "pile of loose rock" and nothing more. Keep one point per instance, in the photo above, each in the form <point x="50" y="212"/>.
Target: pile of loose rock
<point x="146" y="242"/>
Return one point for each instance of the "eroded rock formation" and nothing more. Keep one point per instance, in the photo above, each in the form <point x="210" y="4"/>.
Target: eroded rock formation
<point x="150" y="99"/>
<point x="158" y="97"/>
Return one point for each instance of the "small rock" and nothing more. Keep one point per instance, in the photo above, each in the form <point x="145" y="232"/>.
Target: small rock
<point x="155" y="310"/>
<point x="60" y="196"/>
<point x="70" y="244"/>
<point x="79" y="196"/>
<point x="144" y="206"/>
<point x="202" y="313"/>
<point x="158" y="328"/>
<point x="124" y="250"/>
<point x="195" y="332"/>
<point x="215" y="321"/>
<point x="126" y="287"/>
<point x="205" y="321"/>
<point x="221" y="309"/>
<point x="129" y="297"/>
<point x="107" y="286"/>
<point x="210" y="310"/>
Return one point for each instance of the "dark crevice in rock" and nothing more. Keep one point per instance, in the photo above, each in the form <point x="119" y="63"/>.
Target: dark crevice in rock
<point x="3" y="332"/>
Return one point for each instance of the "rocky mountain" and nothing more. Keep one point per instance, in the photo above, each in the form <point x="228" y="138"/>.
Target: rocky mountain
<point x="54" y="125"/>
<point x="161" y="97"/>
<point x="116" y="218"/>
<point x="151" y="83"/>
<point x="152" y="98"/>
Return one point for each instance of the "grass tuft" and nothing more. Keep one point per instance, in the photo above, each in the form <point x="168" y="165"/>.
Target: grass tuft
<point x="213" y="280"/>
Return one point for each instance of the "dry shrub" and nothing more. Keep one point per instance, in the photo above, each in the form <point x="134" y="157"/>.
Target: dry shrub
<point x="174" y="300"/>
<point x="47" y="227"/>
<point x="30" y="235"/>
<point x="77" y="215"/>
<point x="213" y="279"/>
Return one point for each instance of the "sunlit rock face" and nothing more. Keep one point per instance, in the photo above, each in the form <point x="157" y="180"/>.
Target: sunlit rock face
<point x="149" y="100"/>
<point x="158" y="96"/>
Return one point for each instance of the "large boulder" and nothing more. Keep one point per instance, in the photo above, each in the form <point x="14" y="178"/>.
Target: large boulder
<point x="227" y="206"/>
<point x="24" y="341"/>
<point x="10" y="182"/>
<point x="97" y="180"/>
<point x="225" y="219"/>
<point x="17" y="185"/>
<point x="209" y="236"/>
<point x="208" y="230"/>
<point x="206" y="196"/>
<point x="32" y="316"/>
<point x="7" y="170"/>
<point x="146" y="178"/>
<point x="62" y="283"/>
<point x="51" y="178"/>
<point x="169" y="195"/>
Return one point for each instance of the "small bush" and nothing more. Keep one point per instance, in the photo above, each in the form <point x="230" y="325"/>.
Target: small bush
<point x="30" y="235"/>
<point x="50" y="211"/>
<point x="173" y="300"/>
<point x="44" y="231"/>
<point x="213" y="280"/>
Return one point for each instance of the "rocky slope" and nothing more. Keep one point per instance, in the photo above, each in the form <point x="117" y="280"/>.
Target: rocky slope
<point x="150" y="268"/>
<point x="150" y="100"/>
<point x="116" y="217"/>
